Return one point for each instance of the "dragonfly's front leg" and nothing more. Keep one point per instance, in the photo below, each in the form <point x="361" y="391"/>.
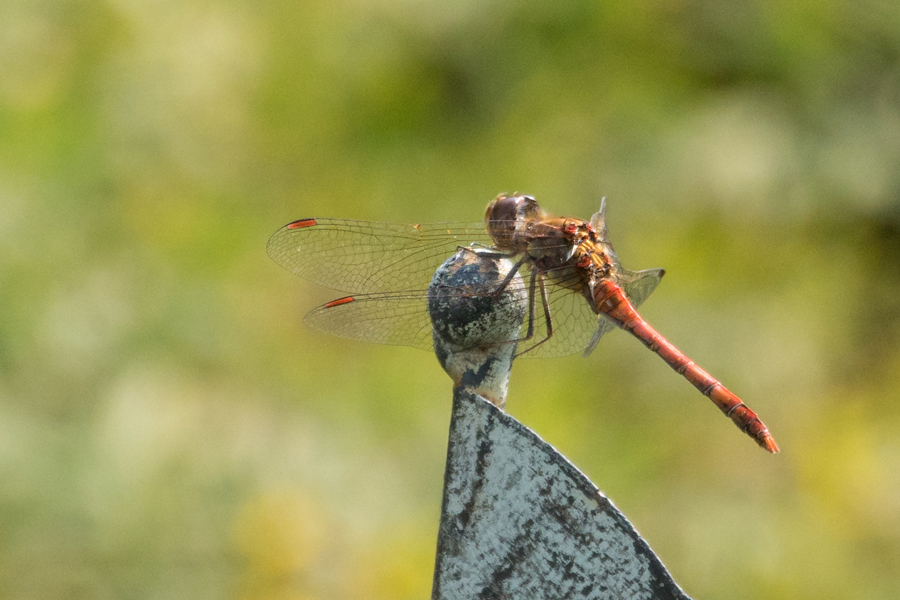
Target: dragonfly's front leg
<point x="493" y="253"/>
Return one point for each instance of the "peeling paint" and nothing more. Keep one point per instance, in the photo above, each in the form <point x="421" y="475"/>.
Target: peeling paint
<point x="518" y="520"/>
<point x="472" y="325"/>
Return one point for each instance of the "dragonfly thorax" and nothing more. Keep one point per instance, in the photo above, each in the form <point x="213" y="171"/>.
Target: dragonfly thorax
<point x="568" y="252"/>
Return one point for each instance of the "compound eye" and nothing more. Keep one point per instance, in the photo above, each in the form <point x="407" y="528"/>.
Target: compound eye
<point x="511" y="208"/>
<point x="528" y="207"/>
<point x="506" y="216"/>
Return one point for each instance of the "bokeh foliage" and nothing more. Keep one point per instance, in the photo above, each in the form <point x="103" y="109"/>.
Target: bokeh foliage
<point x="169" y="429"/>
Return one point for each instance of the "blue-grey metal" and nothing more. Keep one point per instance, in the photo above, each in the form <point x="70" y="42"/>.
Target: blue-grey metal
<point x="471" y="333"/>
<point x="518" y="520"/>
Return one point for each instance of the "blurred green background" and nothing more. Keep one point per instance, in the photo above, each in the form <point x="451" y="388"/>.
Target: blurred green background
<point x="168" y="427"/>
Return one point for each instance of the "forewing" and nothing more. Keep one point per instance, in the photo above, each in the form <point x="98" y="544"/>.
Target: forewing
<point x="598" y="220"/>
<point x="388" y="267"/>
<point x="366" y="257"/>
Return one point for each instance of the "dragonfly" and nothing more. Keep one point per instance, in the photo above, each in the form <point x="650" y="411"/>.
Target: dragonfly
<point x="567" y="266"/>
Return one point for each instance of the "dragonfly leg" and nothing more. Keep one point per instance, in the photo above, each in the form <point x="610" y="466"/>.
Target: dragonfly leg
<point x="509" y="277"/>
<point x="529" y="334"/>
<point x="491" y="253"/>
<point x="536" y="280"/>
<point x="485" y="250"/>
<point x="545" y="303"/>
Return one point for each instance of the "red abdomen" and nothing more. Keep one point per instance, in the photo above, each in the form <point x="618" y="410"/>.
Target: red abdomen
<point x="610" y="300"/>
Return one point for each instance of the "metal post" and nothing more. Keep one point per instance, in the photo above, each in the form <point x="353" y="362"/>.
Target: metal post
<point x="518" y="520"/>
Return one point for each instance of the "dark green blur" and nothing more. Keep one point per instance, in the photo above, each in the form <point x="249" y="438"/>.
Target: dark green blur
<point x="168" y="427"/>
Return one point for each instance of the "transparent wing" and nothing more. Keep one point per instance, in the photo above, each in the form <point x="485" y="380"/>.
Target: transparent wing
<point x="637" y="285"/>
<point x="396" y="319"/>
<point x="571" y="318"/>
<point x="402" y="319"/>
<point x="598" y="220"/>
<point x="388" y="267"/>
<point x="365" y="257"/>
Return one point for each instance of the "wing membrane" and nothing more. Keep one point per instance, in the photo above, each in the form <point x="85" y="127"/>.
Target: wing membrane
<point x="401" y="319"/>
<point x="637" y="285"/>
<point x="395" y="318"/>
<point x="388" y="266"/>
<point x="366" y="257"/>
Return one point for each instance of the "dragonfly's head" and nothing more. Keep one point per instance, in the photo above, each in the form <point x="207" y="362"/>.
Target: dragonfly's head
<point x="506" y="218"/>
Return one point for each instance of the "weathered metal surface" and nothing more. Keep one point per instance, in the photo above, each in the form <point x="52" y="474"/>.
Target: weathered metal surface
<point x="471" y="331"/>
<point x="519" y="521"/>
